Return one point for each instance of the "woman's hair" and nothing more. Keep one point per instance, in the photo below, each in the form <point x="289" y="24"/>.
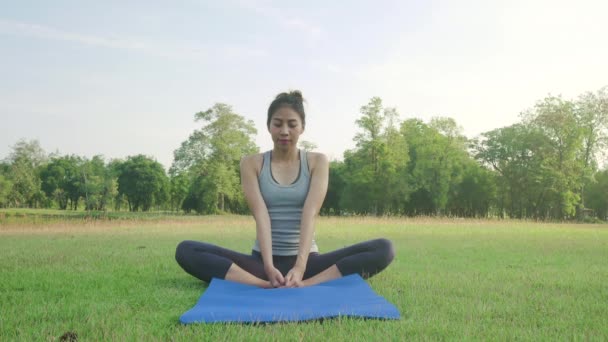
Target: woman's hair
<point x="293" y="100"/>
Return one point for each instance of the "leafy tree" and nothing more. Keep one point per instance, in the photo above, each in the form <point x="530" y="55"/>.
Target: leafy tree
<point x="62" y="180"/>
<point x="210" y="158"/>
<point x="515" y="153"/>
<point x="142" y="181"/>
<point x="555" y="119"/>
<point x="25" y="160"/>
<point x="437" y="152"/>
<point x="591" y="112"/>
<point x="99" y="186"/>
<point x="371" y="122"/>
<point x="114" y="169"/>
<point x="371" y="170"/>
<point x="476" y="194"/>
<point x="394" y="160"/>
<point x="178" y="190"/>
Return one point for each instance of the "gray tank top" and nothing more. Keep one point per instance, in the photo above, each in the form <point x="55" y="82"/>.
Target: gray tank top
<point x="284" y="204"/>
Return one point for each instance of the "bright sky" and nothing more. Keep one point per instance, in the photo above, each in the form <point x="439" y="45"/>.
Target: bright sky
<point x="120" y="78"/>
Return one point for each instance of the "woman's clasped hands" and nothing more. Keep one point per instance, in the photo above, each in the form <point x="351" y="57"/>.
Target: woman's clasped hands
<point x="277" y="280"/>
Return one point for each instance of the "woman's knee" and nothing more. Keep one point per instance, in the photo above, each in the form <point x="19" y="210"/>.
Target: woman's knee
<point x="385" y="250"/>
<point x="183" y="250"/>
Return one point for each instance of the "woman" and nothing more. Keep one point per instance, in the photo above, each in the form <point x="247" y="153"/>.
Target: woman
<point x="285" y="188"/>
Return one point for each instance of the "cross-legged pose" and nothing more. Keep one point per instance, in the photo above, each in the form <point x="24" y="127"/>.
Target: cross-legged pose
<point x="285" y="188"/>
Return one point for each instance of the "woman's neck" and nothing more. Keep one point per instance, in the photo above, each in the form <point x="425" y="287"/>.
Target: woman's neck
<point x="285" y="156"/>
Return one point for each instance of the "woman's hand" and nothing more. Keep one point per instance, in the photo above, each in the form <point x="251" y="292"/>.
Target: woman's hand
<point x="294" y="277"/>
<point x="274" y="276"/>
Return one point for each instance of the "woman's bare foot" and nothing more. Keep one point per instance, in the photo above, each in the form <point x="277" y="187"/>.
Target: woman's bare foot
<point x="239" y="275"/>
<point x="328" y="274"/>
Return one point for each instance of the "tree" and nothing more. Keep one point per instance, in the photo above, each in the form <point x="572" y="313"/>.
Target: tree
<point x="99" y="186"/>
<point x="437" y="152"/>
<point x="178" y="190"/>
<point x="61" y="180"/>
<point x="370" y="122"/>
<point x="514" y="152"/>
<point x="393" y="177"/>
<point x="371" y="170"/>
<point x="555" y="119"/>
<point x="143" y="182"/>
<point x="25" y="160"/>
<point x="210" y="158"/>
<point x="114" y="169"/>
<point x="475" y="194"/>
<point x="591" y="112"/>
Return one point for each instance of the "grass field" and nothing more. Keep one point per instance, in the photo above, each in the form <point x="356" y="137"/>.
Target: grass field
<point x="451" y="279"/>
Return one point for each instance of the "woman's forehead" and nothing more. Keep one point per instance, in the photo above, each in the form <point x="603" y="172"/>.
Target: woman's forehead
<point x="285" y="113"/>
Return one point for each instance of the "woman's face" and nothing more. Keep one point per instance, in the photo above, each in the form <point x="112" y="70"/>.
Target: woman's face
<point x="285" y="128"/>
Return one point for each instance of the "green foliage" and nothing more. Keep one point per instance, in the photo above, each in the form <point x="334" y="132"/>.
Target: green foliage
<point x="597" y="200"/>
<point x="25" y="160"/>
<point x="68" y="179"/>
<point x="100" y="186"/>
<point x="545" y="162"/>
<point x="544" y="167"/>
<point x="335" y="189"/>
<point x="5" y="190"/>
<point x="437" y="152"/>
<point x="178" y="190"/>
<point x="371" y="171"/>
<point x="210" y="160"/>
<point x="513" y="153"/>
<point x="413" y="168"/>
<point x="475" y="195"/>
<point x="62" y="180"/>
<point x="592" y="117"/>
<point x="143" y="182"/>
<point x="555" y="119"/>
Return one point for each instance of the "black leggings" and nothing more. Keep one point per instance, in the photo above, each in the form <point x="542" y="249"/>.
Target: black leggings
<point x="206" y="261"/>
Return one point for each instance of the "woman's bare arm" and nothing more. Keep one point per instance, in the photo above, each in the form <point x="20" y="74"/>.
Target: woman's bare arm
<point x="251" y="189"/>
<point x="314" y="200"/>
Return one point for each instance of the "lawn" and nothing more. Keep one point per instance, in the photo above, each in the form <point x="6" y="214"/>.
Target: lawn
<point x="451" y="279"/>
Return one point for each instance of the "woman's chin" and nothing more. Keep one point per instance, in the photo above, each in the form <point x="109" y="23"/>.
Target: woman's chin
<point x="281" y="146"/>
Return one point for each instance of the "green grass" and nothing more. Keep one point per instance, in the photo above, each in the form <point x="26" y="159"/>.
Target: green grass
<point x="451" y="279"/>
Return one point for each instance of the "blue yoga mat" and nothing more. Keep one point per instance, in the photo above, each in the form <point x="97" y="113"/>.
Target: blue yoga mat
<point x="227" y="301"/>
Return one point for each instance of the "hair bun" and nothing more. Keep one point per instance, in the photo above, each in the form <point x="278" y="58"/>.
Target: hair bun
<point x="297" y="94"/>
<point x="291" y="96"/>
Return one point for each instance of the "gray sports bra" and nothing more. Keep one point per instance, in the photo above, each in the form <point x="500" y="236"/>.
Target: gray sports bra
<point x="284" y="204"/>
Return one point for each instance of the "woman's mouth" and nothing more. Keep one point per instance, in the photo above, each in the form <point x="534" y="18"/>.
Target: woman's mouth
<point x="283" y="141"/>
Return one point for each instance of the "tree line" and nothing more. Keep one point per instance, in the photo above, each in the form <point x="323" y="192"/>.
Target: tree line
<point x="544" y="167"/>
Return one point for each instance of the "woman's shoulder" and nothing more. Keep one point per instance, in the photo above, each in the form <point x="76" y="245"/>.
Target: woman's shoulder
<point x="317" y="160"/>
<point x="253" y="161"/>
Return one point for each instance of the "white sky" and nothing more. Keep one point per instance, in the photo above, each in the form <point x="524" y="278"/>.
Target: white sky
<point x="120" y="79"/>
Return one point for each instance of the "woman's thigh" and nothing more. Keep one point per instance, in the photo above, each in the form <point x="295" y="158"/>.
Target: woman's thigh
<point x="358" y="252"/>
<point x="192" y="251"/>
